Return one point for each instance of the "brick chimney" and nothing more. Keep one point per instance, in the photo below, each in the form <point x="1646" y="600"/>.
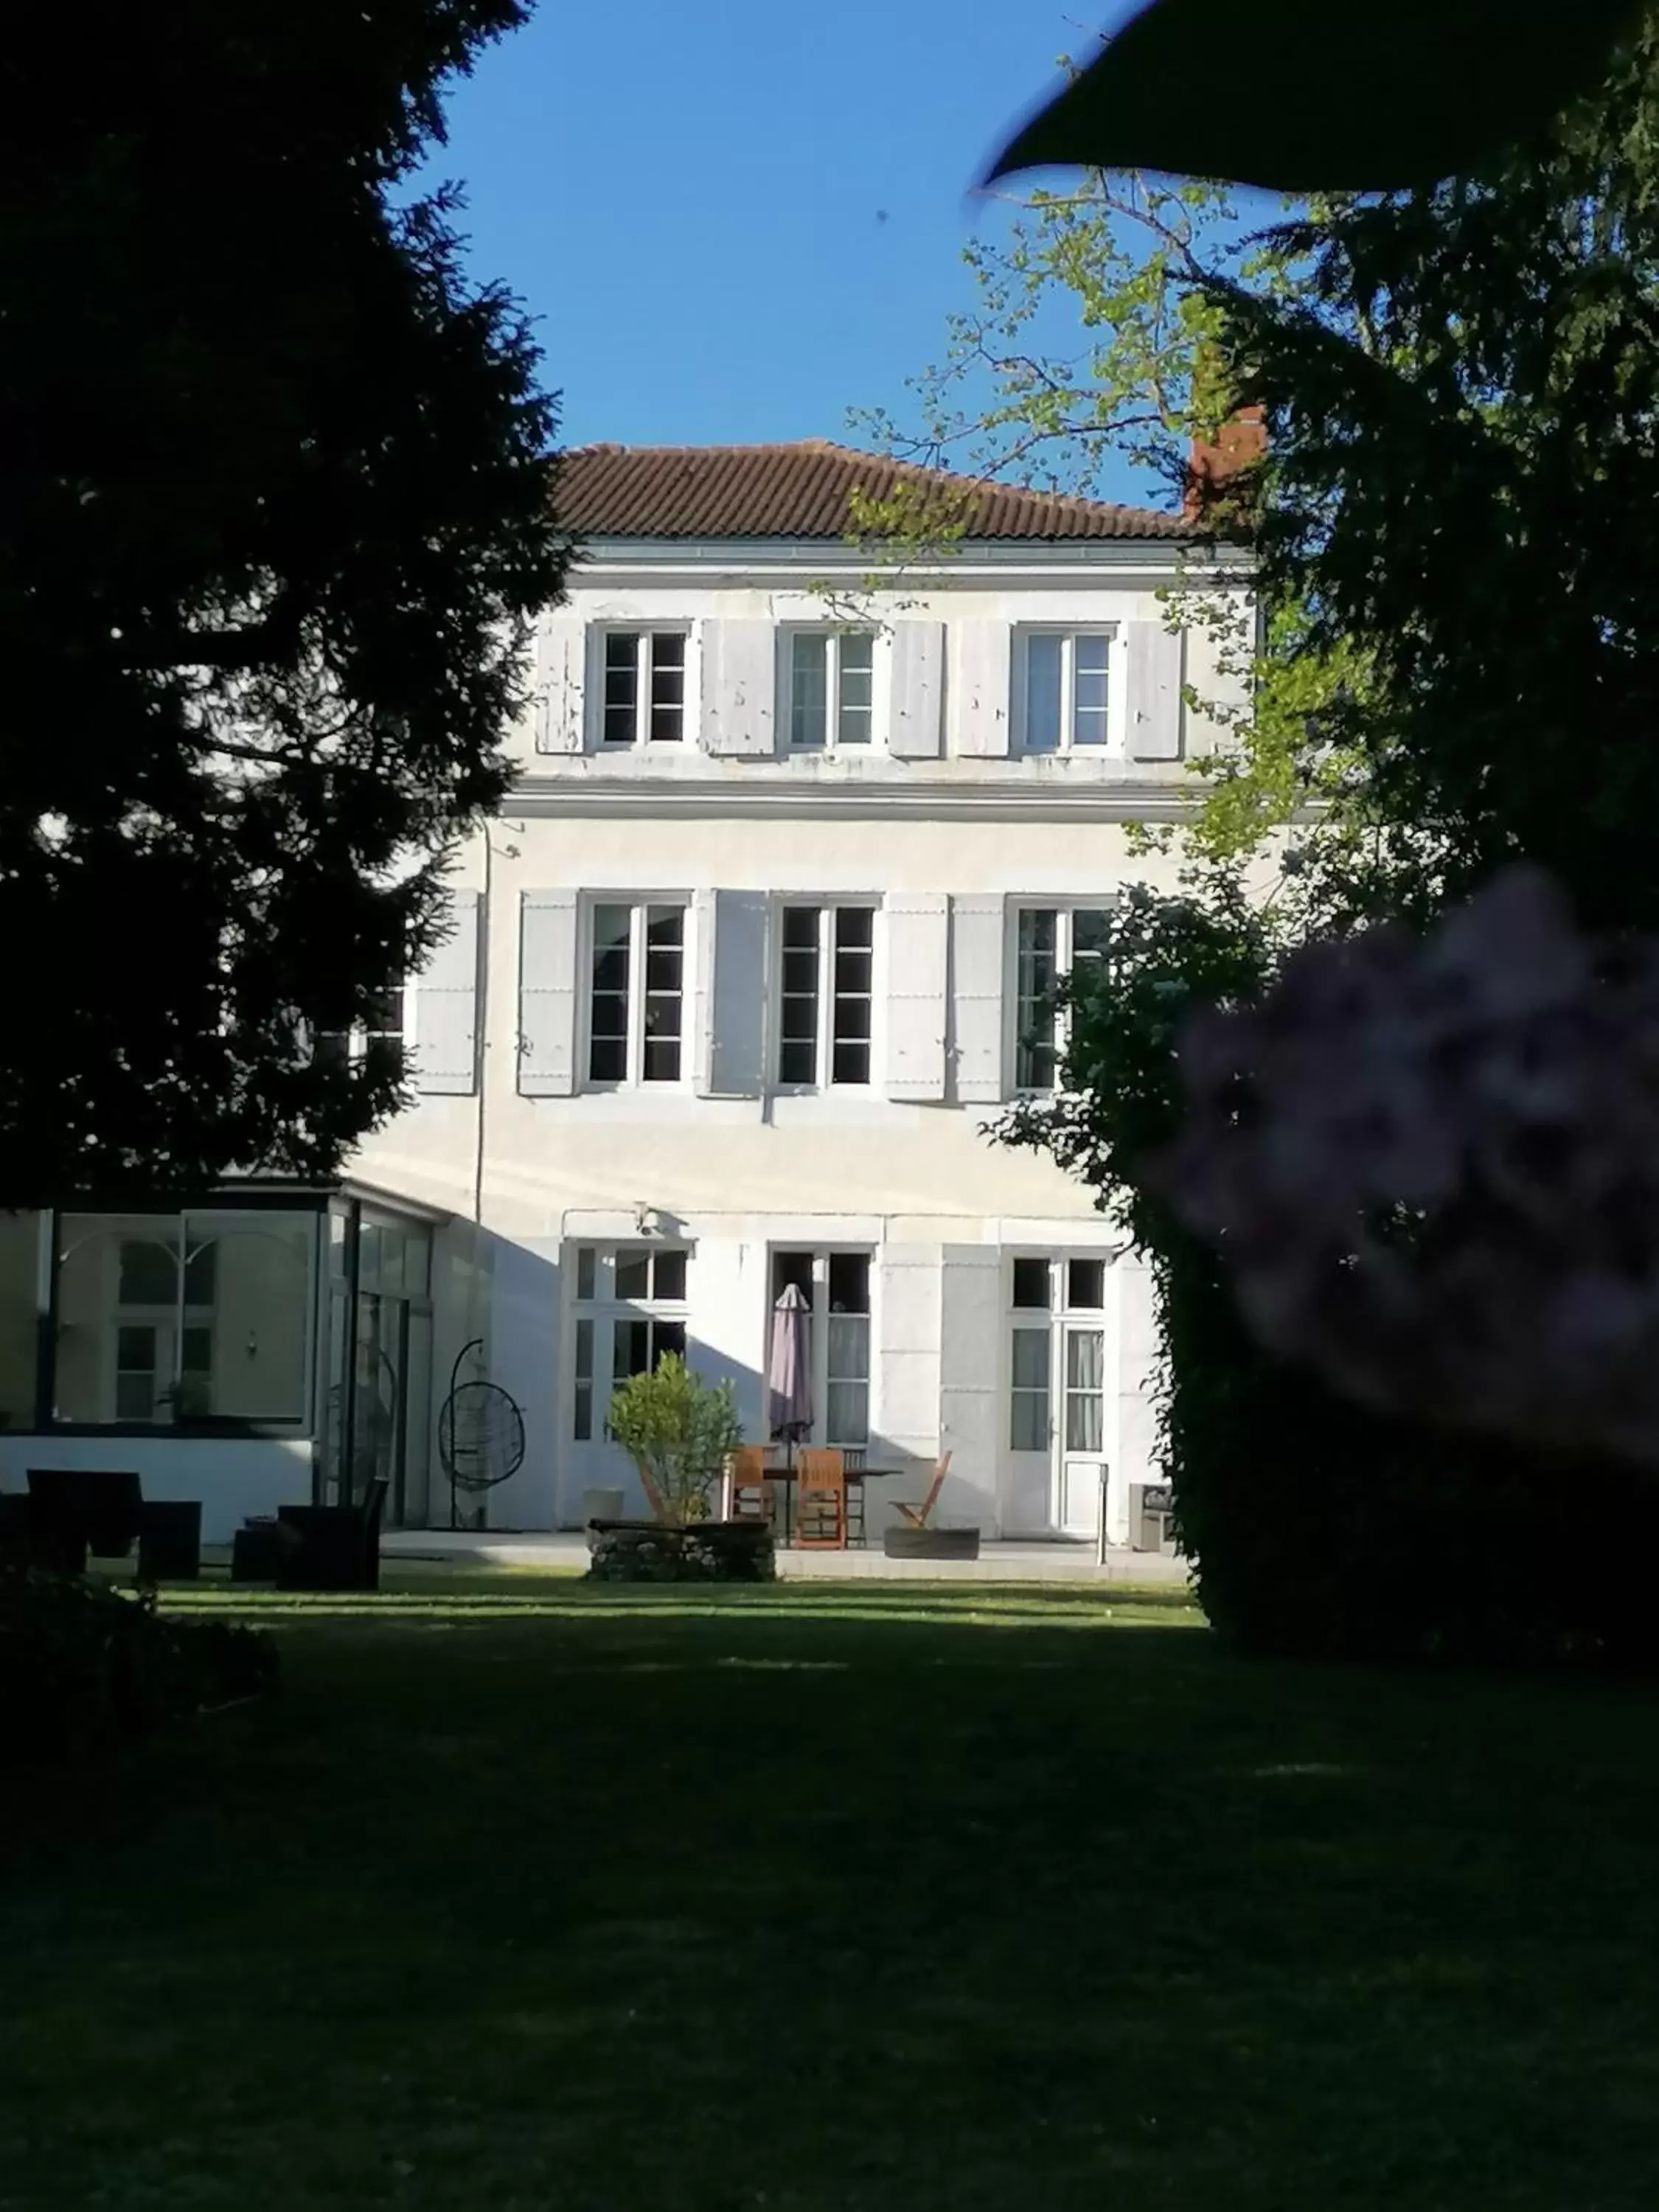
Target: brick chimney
<point x="1241" y="441"/>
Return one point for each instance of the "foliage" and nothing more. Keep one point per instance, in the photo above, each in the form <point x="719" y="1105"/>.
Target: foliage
<point x="90" y="1667"/>
<point x="1356" y="98"/>
<point x="715" y="1552"/>
<point x="1463" y="491"/>
<point x="679" y="1429"/>
<point x="278" y="517"/>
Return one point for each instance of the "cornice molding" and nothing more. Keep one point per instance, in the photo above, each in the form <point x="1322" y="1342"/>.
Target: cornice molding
<point x="1138" y="800"/>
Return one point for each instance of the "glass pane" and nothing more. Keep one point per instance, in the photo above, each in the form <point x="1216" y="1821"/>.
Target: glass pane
<point x="808" y="689"/>
<point x="630" y="1349"/>
<point x="1042" y="681"/>
<point x="855" y="959"/>
<point x="665" y="963"/>
<point x="581" y="1414"/>
<point x="1085" y="1427"/>
<point x="137" y="1397"/>
<point x="855" y="688"/>
<point x="794" y="1267"/>
<point x="849" y="1282"/>
<point x="417" y="1501"/>
<point x="850" y="1061"/>
<point x="622" y="683"/>
<point x="255" y="1271"/>
<point x="20" y="1260"/>
<point x="1086" y="1284"/>
<point x="1089" y="932"/>
<point x="417" y="1260"/>
<point x="1085" y="1358"/>
<point x="849" y="1349"/>
<point x="150" y="1268"/>
<point x="1031" y="1284"/>
<point x="586" y="1272"/>
<point x="608" y="1007"/>
<point x="1088" y="690"/>
<point x="855" y="928"/>
<point x="799" y="1002"/>
<point x="584" y="1351"/>
<point x="1028" y="1425"/>
<point x="1030" y="1366"/>
<point x="666" y="1337"/>
<point x="667" y="687"/>
<point x="668" y="1277"/>
<point x="377" y="1411"/>
<point x="1035" y="976"/>
<point x="633" y="1274"/>
<point x="847" y="1413"/>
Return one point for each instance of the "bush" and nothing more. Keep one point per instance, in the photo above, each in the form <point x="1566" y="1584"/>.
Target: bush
<point x="711" y="1552"/>
<point x="680" y="1431"/>
<point x="88" y="1668"/>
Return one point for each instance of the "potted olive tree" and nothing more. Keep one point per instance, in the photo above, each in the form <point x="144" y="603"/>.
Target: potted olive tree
<point x="679" y="1429"/>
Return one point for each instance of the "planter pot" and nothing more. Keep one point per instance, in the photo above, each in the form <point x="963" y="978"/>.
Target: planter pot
<point x="930" y="1543"/>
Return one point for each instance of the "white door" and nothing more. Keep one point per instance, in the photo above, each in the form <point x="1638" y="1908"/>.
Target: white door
<point x="628" y="1310"/>
<point x="1081" y="1456"/>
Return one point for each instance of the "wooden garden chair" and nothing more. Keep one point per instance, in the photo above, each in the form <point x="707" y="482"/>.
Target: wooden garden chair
<point x="820" y="1500"/>
<point x="918" y="1517"/>
<point x="748" y="1484"/>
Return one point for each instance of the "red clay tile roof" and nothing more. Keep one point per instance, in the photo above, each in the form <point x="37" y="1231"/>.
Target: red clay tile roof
<point x="805" y="491"/>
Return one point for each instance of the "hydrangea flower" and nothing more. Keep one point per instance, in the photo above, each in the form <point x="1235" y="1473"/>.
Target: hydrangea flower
<point x="1432" y="1165"/>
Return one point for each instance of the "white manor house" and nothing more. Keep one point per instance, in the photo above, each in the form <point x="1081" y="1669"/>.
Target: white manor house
<point x="757" y="952"/>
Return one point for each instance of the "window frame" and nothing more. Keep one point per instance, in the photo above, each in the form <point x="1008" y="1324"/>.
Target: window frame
<point x="821" y="1256"/>
<point x="1113" y="745"/>
<point x="1066" y="911"/>
<point x="1057" y="1321"/>
<point x="828" y="909"/>
<point x="644" y="629"/>
<point x="603" y="1311"/>
<point x="833" y="634"/>
<point x="639" y="905"/>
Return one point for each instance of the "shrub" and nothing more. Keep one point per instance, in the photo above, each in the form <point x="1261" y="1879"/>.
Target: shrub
<point x="86" y="1666"/>
<point x="680" y="1431"/>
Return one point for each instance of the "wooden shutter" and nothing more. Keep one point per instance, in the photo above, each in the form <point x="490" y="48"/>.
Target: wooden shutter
<point x="971" y="1410"/>
<point x="1154" y="701"/>
<point x="547" y="993"/>
<point x="915" y="690"/>
<point x="739" y="682"/>
<point x="982" y="688"/>
<point x="917" y="948"/>
<point x="561" y="647"/>
<point x="978" y="954"/>
<point x="444" y="1059"/>
<point x="731" y="930"/>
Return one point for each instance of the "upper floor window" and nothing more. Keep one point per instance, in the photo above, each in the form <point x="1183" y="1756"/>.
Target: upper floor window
<point x="1066" y="691"/>
<point x="385" y="1027"/>
<point x="832" y="688"/>
<point x="637" y="994"/>
<point x="826" y="994"/>
<point x="644" y="697"/>
<point x="1048" y="942"/>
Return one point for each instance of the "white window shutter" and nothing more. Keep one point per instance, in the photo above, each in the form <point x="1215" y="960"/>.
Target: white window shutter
<point x="982" y="688"/>
<point x="971" y="1410"/>
<point x="443" y="1060"/>
<point x="547" y="993"/>
<point x="739" y="683"/>
<point x="731" y="930"/>
<point x="1154" y="713"/>
<point x="915" y="693"/>
<point x="978" y="932"/>
<point x="916" y="923"/>
<point x="560" y="651"/>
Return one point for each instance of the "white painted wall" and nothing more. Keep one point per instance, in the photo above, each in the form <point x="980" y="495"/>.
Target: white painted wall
<point x="234" y="1477"/>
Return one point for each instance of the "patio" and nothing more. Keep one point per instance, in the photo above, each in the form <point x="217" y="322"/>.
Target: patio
<point x="997" y="1562"/>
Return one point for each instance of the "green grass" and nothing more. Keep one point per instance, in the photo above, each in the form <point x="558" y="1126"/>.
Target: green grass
<point x="859" y="1898"/>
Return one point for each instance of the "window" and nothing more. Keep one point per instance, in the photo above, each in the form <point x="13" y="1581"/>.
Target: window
<point x="630" y="1302"/>
<point x="1057" y="1351"/>
<point x="827" y="994"/>
<point x="832" y="688"/>
<point x="637" y="995"/>
<point x="383" y="1029"/>
<point x="644" y="695"/>
<point x="1066" y="691"/>
<point x="836" y="1288"/>
<point x="169" y="1318"/>
<point x="1049" y="942"/>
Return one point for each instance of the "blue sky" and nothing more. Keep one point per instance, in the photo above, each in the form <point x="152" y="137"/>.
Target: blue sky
<point x="733" y="222"/>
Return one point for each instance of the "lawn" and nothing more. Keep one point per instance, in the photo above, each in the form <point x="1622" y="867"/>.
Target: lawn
<point x="839" y="1899"/>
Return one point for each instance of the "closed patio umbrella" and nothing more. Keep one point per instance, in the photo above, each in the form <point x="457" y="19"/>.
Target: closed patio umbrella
<point x="789" y="1366"/>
